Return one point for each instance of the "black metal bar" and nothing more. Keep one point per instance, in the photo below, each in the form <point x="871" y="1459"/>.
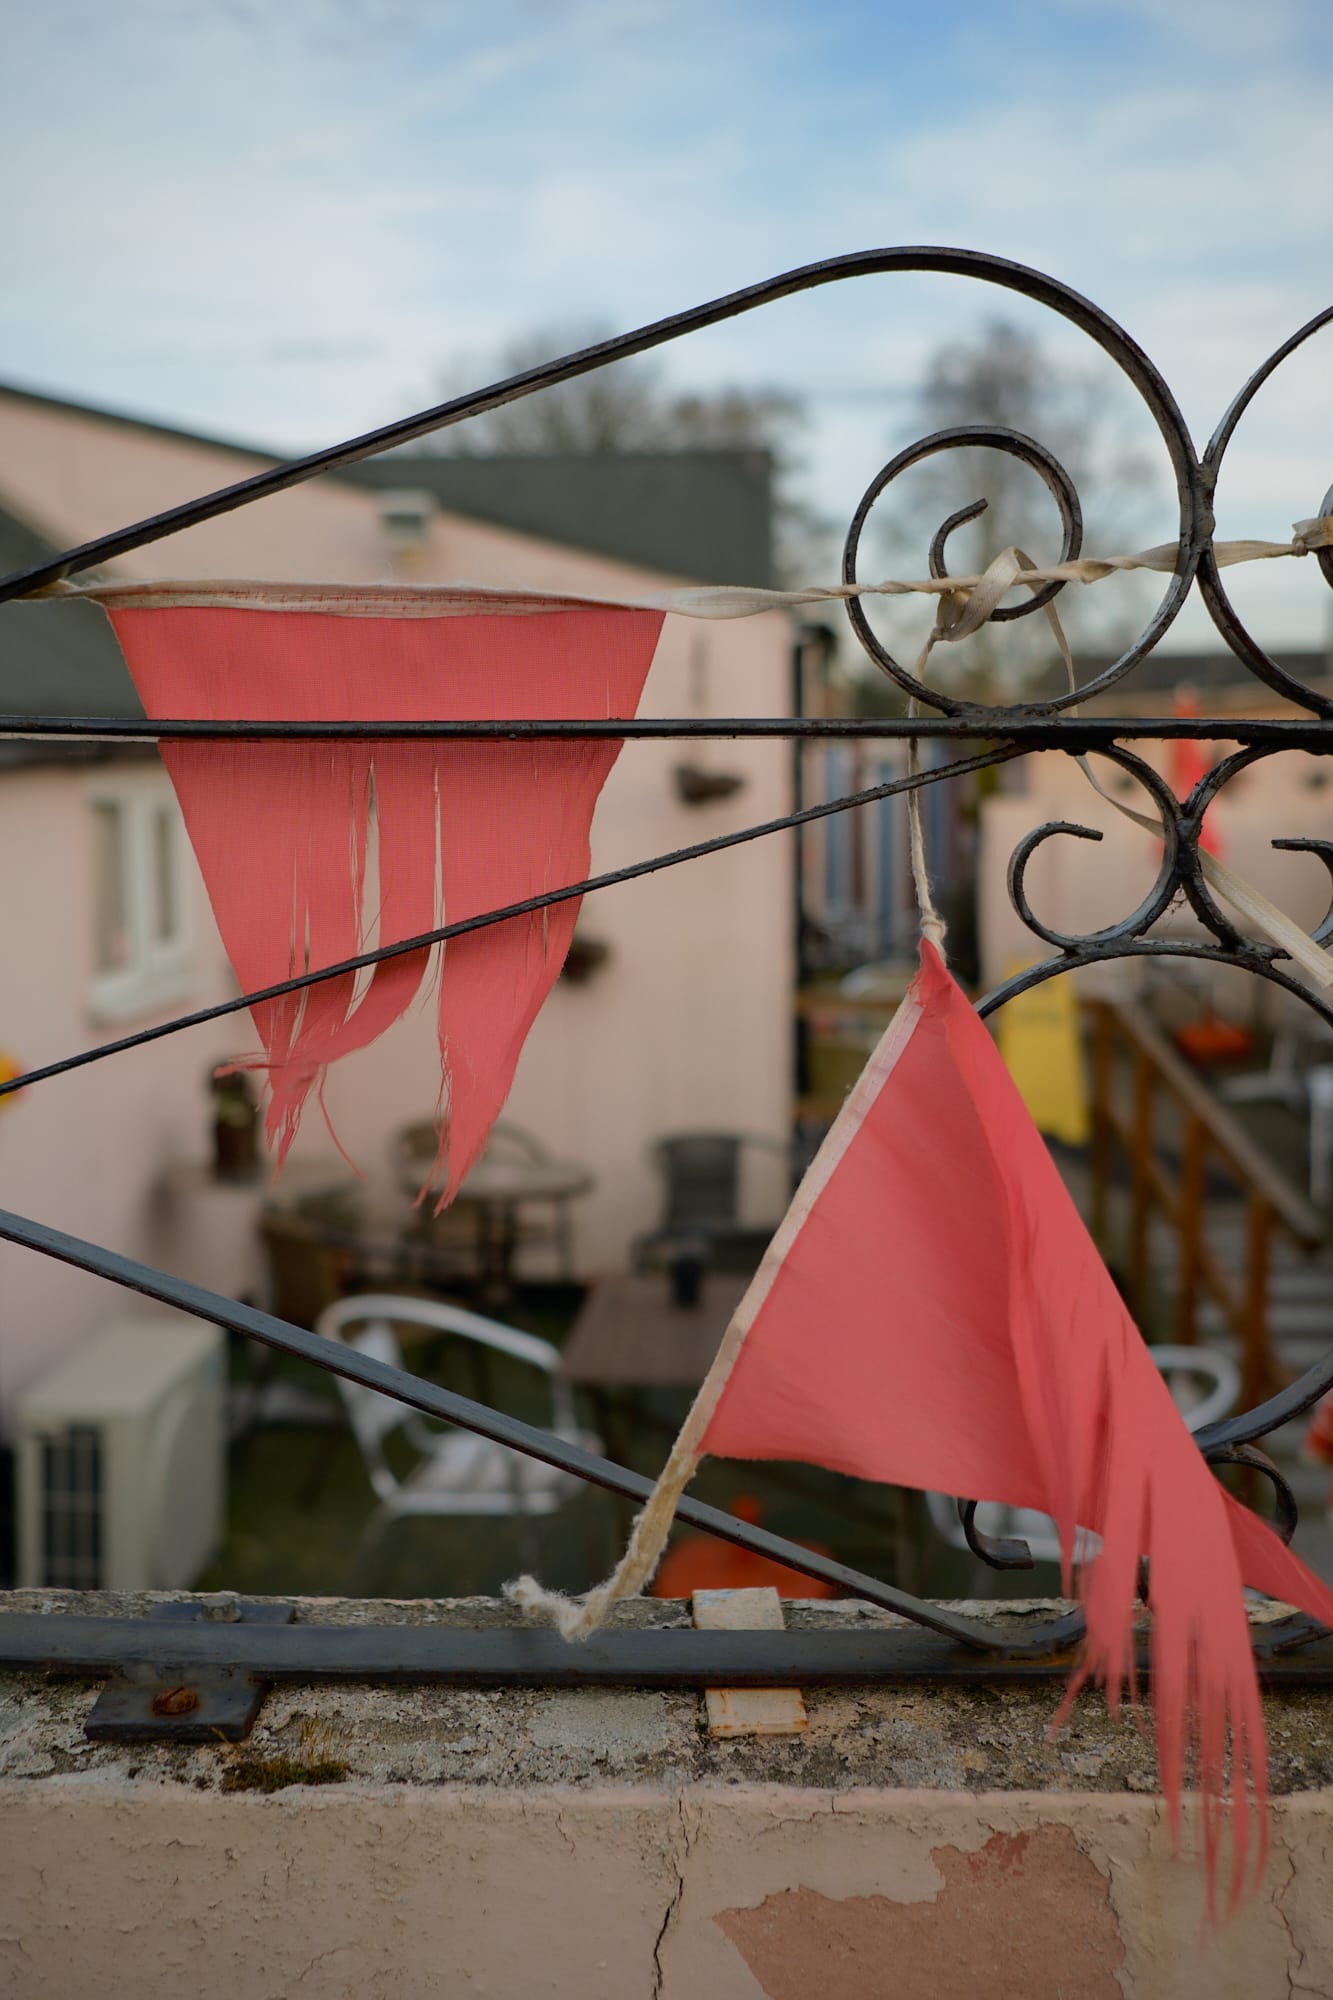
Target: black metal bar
<point x="1211" y="587"/>
<point x="443" y="1404"/>
<point x="1311" y="734"/>
<point x="487" y="917"/>
<point x="526" y="1656"/>
<point x="503" y="1657"/>
<point x="1032" y="284"/>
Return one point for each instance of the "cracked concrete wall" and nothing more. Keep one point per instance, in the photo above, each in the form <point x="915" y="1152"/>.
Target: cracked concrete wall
<point x="599" y="1845"/>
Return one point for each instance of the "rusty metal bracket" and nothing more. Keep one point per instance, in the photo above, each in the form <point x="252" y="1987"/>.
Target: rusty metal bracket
<point x="172" y="1702"/>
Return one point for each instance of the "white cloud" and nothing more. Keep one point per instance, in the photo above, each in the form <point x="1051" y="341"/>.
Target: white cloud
<point x="280" y="223"/>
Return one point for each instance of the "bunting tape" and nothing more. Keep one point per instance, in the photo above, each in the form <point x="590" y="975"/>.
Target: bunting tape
<point x="426" y="600"/>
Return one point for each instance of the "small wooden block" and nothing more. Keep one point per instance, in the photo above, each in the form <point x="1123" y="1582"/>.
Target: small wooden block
<point x="747" y="1711"/>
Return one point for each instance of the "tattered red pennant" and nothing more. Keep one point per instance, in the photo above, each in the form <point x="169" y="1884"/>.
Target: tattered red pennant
<point x="933" y="1313"/>
<point x="311" y="850"/>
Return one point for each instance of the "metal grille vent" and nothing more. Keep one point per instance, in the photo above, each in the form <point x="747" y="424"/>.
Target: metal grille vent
<point x="72" y="1509"/>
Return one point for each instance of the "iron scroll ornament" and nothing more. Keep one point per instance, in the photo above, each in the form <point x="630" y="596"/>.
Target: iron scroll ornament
<point x="1180" y="875"/>
<point x="1057" y="482"/>
<point x="1195" y="515"/>
<point x="1230" y="1440"/>
<point x="1179" y="872"/>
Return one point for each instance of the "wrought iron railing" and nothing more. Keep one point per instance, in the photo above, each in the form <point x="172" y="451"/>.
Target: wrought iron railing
<point x="951" y="1642"/>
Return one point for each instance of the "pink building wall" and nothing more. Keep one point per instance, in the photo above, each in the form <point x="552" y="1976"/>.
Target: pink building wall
<point x="82" y="1152"/>
<point x="686" y="1024"/>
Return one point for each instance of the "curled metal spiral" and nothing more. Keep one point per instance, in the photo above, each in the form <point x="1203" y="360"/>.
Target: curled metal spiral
<point x="1177" y="860"/>
<point x="1000" y="1551"/>
<point x="995" y="438"/>
<point x="1287" y="1514"/>
<point x="1180" y="873"/>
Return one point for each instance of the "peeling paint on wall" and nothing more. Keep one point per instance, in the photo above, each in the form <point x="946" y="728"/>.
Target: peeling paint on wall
<point x="1026" y="1917"/>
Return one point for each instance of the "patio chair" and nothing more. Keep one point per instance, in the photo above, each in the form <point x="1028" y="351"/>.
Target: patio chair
<point x="701" y="1175"/>
<point x="306" y="1272"/>
<point x="457" y="1472"/>
<point x="1204" y="1384"/>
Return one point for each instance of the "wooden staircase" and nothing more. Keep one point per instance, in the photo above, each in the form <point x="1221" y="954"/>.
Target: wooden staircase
<point x="1209" y="1238"/>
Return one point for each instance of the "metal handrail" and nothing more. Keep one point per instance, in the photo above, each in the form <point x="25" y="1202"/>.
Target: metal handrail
<point x="1210" y="1129"/>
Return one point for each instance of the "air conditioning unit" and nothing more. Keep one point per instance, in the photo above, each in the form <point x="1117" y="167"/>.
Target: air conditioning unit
<point x="121" y="1459"/>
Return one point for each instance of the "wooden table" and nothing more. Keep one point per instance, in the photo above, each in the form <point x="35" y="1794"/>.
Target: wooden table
<point x="374" y="1220"/>
<point x="632" y="1335"/>
<point x="497" y="1188"/>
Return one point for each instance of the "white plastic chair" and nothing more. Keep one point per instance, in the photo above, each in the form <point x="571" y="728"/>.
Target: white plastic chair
<point x="1183" y="1367"/>
<point x="458" y="1473"/>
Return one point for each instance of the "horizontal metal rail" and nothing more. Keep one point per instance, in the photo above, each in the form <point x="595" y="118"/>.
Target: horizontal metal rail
<point x="1031" y="731"/>
<point x="525" y="1656"/>
<point x="531" y="904"/>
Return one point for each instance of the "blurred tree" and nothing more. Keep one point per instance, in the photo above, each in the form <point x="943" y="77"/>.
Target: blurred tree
<point x="630" y="406"/>
<point x="1004" y="377"/>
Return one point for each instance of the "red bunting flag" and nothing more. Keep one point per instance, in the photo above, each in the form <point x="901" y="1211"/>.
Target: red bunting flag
<point x="314" y="852"/>
<point x="933" y="1313"/>
<point x="1188" y="762"/>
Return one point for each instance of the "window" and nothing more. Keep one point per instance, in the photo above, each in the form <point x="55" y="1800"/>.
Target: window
<point x="837" y="838"/>
<point x="140" y="896"/>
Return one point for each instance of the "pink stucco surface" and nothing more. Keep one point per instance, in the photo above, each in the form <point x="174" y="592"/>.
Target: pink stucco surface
<point x="128" y="1891"/>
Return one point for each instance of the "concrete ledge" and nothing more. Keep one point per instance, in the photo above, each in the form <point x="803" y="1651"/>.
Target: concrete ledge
<point x="424" y="1841"/>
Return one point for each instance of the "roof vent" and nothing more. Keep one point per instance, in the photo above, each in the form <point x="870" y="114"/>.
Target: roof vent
<point x="405" y="516"/>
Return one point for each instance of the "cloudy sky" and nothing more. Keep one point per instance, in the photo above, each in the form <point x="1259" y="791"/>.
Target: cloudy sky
<point x="282" y="223"/>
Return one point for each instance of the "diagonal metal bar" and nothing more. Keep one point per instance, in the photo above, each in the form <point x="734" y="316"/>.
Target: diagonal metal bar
<point x="528" y="907"/>
<point x="1019" y="278"/>
<point x="444" y="1405"/>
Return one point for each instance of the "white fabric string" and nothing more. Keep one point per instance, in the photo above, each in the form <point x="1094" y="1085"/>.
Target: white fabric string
<point x="427" y="600"/>
<point x="932" y="923"/>
<point x="964" y="604"/>
<point x="960" y="612"/>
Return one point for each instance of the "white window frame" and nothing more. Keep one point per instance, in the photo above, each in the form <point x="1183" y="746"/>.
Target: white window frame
<point x="158" y="970"/>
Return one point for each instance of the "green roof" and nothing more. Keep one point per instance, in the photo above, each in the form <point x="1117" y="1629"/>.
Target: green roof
<point x="55" y="659"/>
<point x="703" y="515"/>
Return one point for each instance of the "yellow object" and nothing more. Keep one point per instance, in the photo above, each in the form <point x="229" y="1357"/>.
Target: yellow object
<point x="10" y="1067"/>
<point x="1039" y="1040"/>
